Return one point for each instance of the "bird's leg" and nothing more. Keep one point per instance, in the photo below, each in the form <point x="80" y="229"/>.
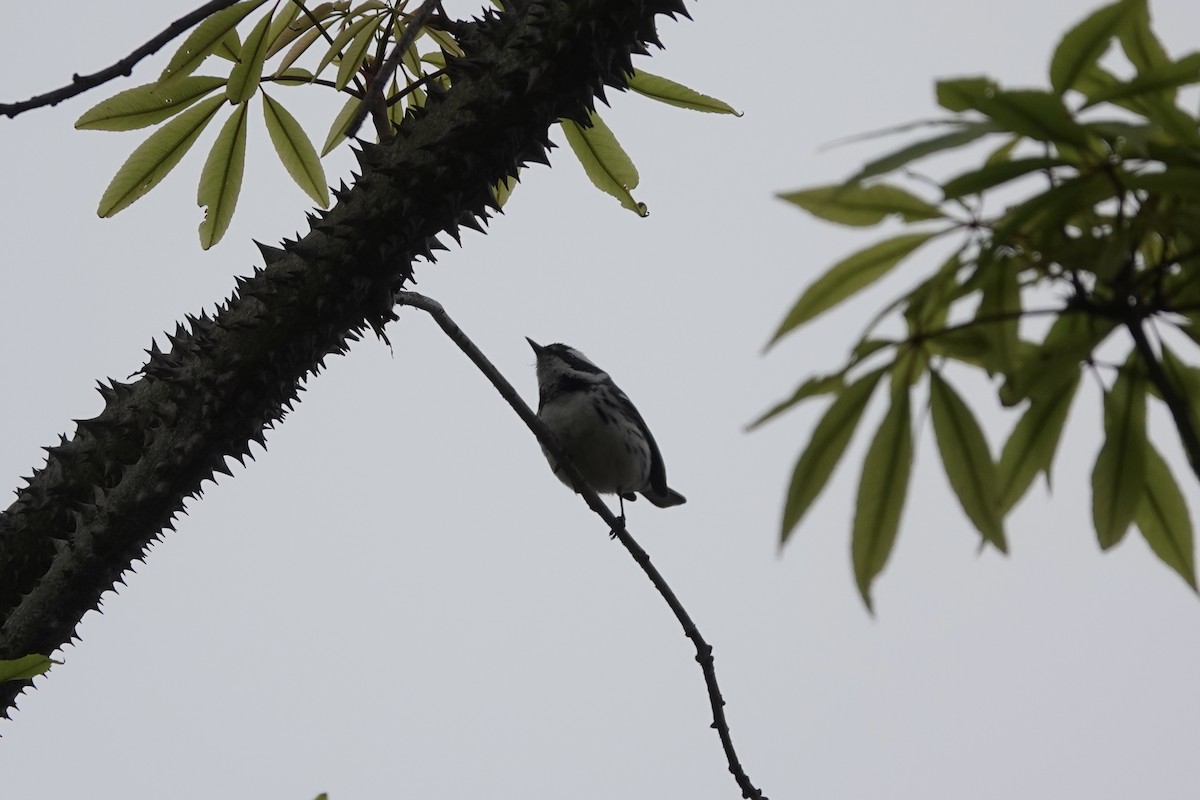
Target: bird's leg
<point x="621" y="519"/>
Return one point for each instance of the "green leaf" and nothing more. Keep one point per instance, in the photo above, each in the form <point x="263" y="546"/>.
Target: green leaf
<point x="1084" y="44"/>
<point x="961" y="136"/>
<point x="980" y="180"/>
<point x="825" y="449"/>
<point x="1174" y="181"/>
<point x="1186" y="380"/>
<point x="1031" y="446"/>
<point x="293" y="76"/>
<point x="1163" y="518"/>
<point x="503" y="190"/>
<point x="928" y="305"/>
<point x="1119" y="477"/>
<point x="881" y="494"/>
<point x="604" y="160"/>
<point x="157" y="156"/>
<point x="999" y="305"/>
<point x="1047" y="367"/>
<point x="295" y="150"/>
<point x="444" y="41"/>
<point x="344" y="38"/>
<point x="860" y="206"/>
<point x="1004" y="152"/>
<point x="813" y="387"/>
<point x="337" y="131"/>
<point x="849" y="276"/>
<point x="966" y="344"/>
<point x="1036" y="115"/>
<point x="1157" y="81"/>
<point x="356" y="52"/>
<point x="1141" y="46"/>
<point x="676" y="94"/>
<point x="967" y="459"/>
<point x="229" y="47"/>
<point x="221" y="178"/>
<point x="205" y="38"/>
<point x="1052" y="207"/>
<point x="246" y="74"/>
<point x="25" y="668"/>
<point x="1030" y="113"/>
<point x="300" y="47"/>
<point x="148" y="104"/>
<point x="286" y="26"/>
<point x="963" y="94"/>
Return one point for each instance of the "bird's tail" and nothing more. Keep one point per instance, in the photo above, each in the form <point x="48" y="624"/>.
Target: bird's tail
<point x="666" y="500"/>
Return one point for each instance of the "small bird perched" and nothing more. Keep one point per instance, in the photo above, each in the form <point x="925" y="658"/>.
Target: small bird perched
<point x="598" y="428"/>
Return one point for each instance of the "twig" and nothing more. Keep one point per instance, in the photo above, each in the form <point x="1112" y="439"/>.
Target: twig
<point x="1176" y="402"/>
<point x="82" y="83"/>
<point x="374" y="91"/>
<point x="704" y="654"/>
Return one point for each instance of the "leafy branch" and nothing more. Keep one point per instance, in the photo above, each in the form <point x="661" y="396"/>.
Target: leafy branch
<point x="1098" y="182"/>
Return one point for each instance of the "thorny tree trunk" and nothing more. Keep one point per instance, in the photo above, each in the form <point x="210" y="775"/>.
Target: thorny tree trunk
<point x="105" y="493"/>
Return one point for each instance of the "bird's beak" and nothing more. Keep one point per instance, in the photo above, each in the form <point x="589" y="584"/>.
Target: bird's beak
<point x="537" y="348"/>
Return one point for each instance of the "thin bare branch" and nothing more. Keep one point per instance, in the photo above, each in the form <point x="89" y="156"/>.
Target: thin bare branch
<point x="704" y="651"/>
<point x="374" y="92"/>
<point x="82" y="83"/>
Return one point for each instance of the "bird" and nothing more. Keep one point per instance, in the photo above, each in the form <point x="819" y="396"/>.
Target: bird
<point x="598" y="429"/>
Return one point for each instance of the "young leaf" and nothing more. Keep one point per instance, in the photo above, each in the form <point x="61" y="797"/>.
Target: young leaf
<point x="157" y="156"/>
<point x="298" y="49"/>
<point x="356" y="51"/>
<point x="286" y="27"/>
<point x="676" y="94"/>
<point x="245" y="75"/>
<point x="860" y="206"/>
<point x="337" y="131"/>
<point x="849" y="276"/>
<point x="148" y="104"/>
<point x="881" y="494"/>
<point x="605" y="161"/>
<point x="221" y="178"/>
<point x="825" y="448"/>
<point x="968" y="462"/>
<point x="961" y="136"/>
<point x="1119" y="477"/>
<point x="25" y="668"/>
<point x="295" y="150"/>
<point x="205" y="38"/>
<point x="343" y="39"/>
<point x="1084" y="44"/>
<point x="1031" y="446"/>
<point x="813" y="387"/>
<point x="1163" y="518"/>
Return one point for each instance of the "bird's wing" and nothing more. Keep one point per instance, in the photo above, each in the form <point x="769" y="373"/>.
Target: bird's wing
<point x="658" y="470"/>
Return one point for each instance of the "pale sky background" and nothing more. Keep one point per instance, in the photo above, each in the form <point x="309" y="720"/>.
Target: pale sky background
<point x="399" y="600"/>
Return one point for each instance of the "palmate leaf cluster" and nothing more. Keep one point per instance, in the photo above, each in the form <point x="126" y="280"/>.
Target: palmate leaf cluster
<point x="1084" y="215"/>
<point x="342" y="44"/>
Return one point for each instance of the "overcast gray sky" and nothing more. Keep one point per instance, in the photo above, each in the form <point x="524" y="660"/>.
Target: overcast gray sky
<point x="398" y="599"/>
